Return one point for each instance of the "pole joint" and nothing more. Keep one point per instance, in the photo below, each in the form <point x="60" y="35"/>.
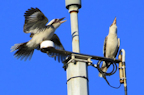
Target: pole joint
<point x="73" y="8"/>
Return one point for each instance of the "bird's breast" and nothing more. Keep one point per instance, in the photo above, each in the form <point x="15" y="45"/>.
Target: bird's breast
<point x="111" y="46"/>
<point x="41" y="36"/>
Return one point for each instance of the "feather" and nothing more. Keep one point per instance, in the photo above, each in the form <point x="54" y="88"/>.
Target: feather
<point x="35" y="21"/>
<point x="23" y="52"/>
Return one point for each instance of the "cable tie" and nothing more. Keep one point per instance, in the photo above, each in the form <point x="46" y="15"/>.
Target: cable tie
<point x="77" y="77"/>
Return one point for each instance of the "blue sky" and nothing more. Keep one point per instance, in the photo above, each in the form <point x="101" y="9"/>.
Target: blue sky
<point x="44" y="76"/>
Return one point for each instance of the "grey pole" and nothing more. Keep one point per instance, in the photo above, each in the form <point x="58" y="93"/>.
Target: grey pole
<point x="76" y="84"/>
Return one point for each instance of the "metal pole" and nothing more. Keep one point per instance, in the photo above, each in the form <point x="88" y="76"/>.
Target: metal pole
<point x="73" y="10"/>
<point x="124" y="70"/>
<point x="76" y="85"/>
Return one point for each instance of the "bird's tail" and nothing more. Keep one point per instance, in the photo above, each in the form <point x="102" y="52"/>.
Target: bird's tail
<point x="103" y="68"/>
<point x="23" y="52"/>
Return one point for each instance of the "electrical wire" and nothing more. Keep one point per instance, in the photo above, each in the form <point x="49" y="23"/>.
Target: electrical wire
<point x="104" y="74"/>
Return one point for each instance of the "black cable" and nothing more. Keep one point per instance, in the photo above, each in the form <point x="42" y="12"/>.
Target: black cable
<point x="107" y="74"/>
<point x="77" y="77"/>
<point x="111" y="85"/>
<point x="104" y="74"/>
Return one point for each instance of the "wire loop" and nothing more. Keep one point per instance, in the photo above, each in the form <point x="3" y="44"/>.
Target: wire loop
<point x="104" y="74"/>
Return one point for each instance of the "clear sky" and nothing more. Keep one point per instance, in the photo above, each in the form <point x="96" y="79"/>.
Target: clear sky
<point x="44" y="76"/>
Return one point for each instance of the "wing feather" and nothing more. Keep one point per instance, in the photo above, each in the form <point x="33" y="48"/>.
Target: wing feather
<point x="104" y="47"/>
<point x="58" y="45"/>
<point x="117" y="47"/>
<point x="57" y="42"/>
<point x="35" y="21"/>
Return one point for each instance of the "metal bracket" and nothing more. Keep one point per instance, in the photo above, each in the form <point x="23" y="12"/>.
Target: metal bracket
<point x="73" y="58"/>
<point x="79" y="58"/>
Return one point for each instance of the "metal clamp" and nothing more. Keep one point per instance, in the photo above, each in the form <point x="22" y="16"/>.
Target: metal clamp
<point x="79" y="58"/>
<point x="122" y="67"/>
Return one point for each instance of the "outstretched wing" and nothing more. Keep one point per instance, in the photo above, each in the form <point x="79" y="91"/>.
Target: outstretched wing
<point x="58" y="45"/>
<point x="35" y="21"/>
<point x="57" y="42"/>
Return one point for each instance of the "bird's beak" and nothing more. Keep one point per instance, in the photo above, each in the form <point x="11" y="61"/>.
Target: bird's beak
<point x="60" y="20"/>
<point x="114" y="22"/>
<point x="56" y="21"/>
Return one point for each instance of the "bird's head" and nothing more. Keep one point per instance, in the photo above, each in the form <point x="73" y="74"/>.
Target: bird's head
<point x="56" y="22"/>
<point x="113" y="27"/>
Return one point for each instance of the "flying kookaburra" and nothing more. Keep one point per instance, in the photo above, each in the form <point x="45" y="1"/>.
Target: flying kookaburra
<point x="111" y="46"/>
<point x="35" y="23"/>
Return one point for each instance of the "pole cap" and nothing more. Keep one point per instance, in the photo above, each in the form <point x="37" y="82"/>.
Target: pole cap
<point x="73" y="2"/>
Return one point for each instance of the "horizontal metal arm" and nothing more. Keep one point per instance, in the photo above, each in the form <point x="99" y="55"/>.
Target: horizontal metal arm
<point x="68" y="53"/>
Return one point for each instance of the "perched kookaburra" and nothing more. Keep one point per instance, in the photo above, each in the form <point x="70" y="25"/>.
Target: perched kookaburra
<point x="35" y="23"/>
<point x="111" y="46"/>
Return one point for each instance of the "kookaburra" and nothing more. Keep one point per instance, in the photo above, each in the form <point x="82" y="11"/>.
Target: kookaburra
<point x="111" y="46"/>
<point x="35" y="23"/>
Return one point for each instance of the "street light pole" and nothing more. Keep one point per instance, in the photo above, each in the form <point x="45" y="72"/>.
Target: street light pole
<point x="77" y="83"/>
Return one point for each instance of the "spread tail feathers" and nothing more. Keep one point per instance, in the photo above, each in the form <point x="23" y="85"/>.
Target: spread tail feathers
<point x="23" y="52"/>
